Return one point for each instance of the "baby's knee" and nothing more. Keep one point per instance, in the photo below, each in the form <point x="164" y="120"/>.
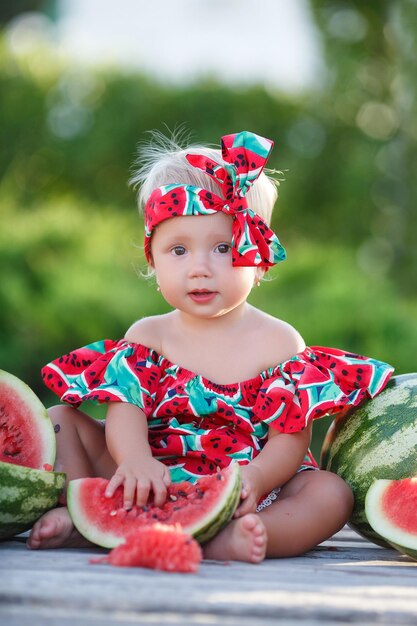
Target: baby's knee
<point x="337" y="493"/>
<point x="61" y="414"/>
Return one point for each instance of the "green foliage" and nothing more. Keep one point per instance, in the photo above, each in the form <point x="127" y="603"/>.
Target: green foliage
<point x="371" y="54"/>
<point x="71" y="278"/>
<point x="12" y="8"/>
<point x="70" y="236"/>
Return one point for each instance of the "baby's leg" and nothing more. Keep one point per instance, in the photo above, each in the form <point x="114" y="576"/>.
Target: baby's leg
<point x="80" y="444"/>
<point x="311" y="507"/>
<point x="80" y="451"/>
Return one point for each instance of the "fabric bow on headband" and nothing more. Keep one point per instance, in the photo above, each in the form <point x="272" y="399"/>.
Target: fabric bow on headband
<point x="245" y="155"/>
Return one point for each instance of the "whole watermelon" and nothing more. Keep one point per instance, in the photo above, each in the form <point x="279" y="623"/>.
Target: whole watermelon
<point x="378" y="440"/>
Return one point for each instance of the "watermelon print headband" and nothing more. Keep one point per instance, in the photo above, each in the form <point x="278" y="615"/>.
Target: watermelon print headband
<point x="245" y="155"/>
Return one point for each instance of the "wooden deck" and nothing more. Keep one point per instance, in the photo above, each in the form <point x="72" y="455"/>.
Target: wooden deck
<point x="344" y="581"/>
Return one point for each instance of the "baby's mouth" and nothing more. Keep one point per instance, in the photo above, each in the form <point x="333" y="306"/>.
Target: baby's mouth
<point x="202" y="295"/>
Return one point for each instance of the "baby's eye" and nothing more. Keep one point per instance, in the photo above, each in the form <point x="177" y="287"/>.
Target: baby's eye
<point x="178" y="250"/>
<point x="223" y="248"/>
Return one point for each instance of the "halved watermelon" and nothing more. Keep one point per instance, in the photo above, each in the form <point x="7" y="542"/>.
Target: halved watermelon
<point x="201" y="509"/>
<point x="391" y="509"/>
<point x="26" y="433"/>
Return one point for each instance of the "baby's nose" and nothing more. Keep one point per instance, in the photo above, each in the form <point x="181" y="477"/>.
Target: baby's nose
<point x="200" y="266"/>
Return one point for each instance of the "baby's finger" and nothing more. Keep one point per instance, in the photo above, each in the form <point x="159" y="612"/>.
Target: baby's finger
<point x="244" y="493"/>
<point x="167" y="478"/>
<point x="114" y="482"/>
<point x="244" y="508"/>
<point x="129" y="492"/>
<point x="142" y="492"/>
<point x="239" y="512"/>
<point x="159" y="493"/>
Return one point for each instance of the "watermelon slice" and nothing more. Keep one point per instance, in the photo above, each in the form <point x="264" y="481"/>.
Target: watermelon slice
<point x="391" y="509"/>
<point x="201" y="509"/>
<point x="25" y="495"/>
<point x="157" y="546"/>
<point x="26" y="433"/>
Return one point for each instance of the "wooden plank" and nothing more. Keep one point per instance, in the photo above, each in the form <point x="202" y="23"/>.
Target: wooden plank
<point x="345" y="580"/>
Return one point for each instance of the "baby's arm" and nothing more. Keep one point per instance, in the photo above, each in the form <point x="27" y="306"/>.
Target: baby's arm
<point x="137" y="471"/>
<point x="278" y="461"/>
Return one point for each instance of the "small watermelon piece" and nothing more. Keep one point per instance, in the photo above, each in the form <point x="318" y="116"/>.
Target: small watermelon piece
<point x="391" y="509"/>
<point x="25" y="495"/>
<point x="202" y="509"/>
<point x="26" y="432"/>
<point x="377" y="440"/>
<point x="157" y="546"/>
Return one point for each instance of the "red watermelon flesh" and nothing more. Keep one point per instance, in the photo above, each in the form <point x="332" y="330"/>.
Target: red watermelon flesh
<point x="157" y="546"/>
<point x="391" y="510"/>
<point x="399" y="504"/>
<point x="201" y="509"/>
<point x="26" y="433"/>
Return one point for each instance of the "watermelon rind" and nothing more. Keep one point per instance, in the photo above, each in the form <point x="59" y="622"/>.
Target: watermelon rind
<point x="398" y="538"/>
<point x="25" y="495"/>
<point x="219" y="516"/>
<point x="377" y="440"/>
<point x="44" y="445"/>
<point x="84" y="525"/>
<point x="405" y="550"/>
<point x="210" y="523"/>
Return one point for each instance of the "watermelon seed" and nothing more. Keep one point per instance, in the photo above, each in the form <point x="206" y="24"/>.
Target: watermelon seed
<point x="182" y="494"/>
<point x="113" y="513"/>
<point x="11" y="437"/>
<point x="172" y="497"/>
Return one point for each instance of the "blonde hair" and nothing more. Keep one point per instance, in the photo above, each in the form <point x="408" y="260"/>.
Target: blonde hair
<point x="161" y="161"/>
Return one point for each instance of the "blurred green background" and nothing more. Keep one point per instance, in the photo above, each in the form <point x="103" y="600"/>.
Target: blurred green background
<point x="70" y="238"/>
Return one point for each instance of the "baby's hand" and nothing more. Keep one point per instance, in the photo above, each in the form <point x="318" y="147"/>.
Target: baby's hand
<point x="251" y="490"/>
<point x="139" y="478"/>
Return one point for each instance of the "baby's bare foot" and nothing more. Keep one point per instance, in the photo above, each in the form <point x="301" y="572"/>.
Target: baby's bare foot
<point x="55" y="530"/>
<point x="243" y="539"/>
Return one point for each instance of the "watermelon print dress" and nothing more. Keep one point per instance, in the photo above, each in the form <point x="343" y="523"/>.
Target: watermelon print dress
<point x="197" y="426"/>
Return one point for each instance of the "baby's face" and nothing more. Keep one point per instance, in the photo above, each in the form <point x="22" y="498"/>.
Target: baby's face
<point x="192" y="257"/>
